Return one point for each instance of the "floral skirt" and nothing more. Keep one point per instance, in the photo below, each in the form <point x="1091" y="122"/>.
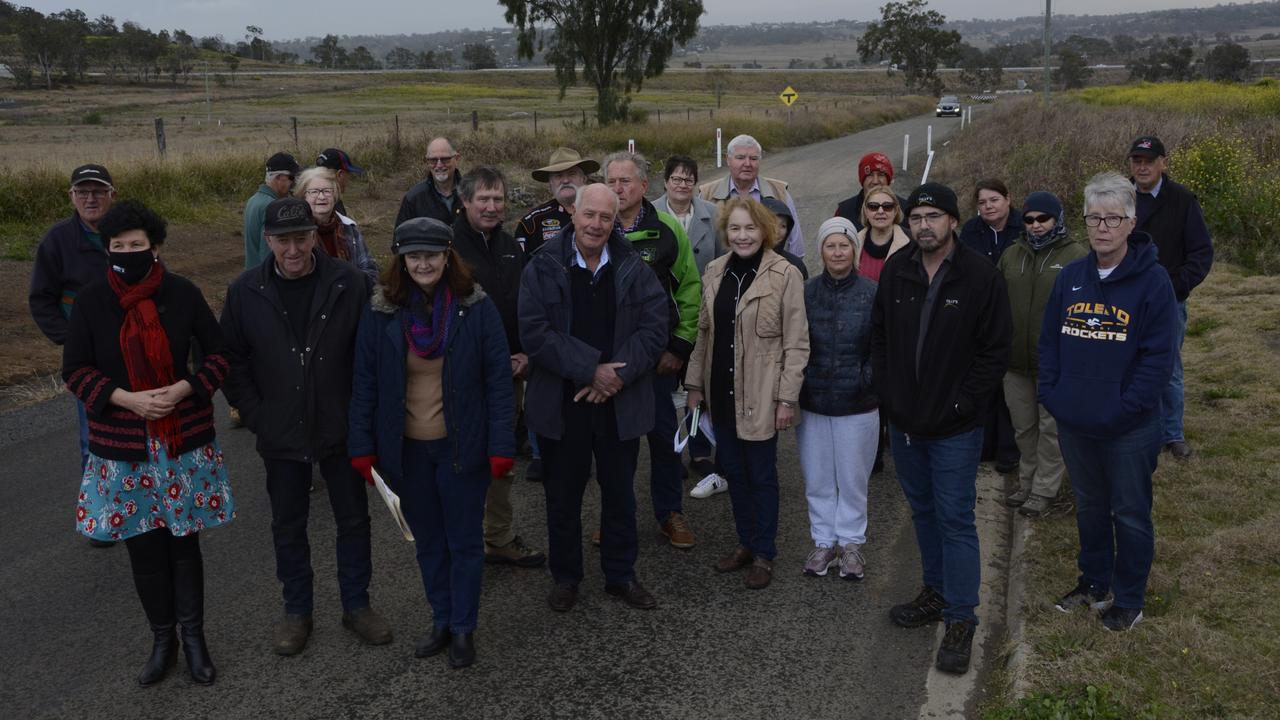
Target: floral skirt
<point x="123" y="498"/>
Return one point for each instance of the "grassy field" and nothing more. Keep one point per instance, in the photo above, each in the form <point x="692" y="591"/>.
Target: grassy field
<point x="1210" y="641"/>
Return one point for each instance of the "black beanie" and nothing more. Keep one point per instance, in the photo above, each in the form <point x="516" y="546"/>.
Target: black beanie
<point x="934" y="195"/>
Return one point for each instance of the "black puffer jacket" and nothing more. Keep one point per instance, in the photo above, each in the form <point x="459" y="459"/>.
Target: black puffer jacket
<point x="837" y="380"/>
<point x="294" y="396"/>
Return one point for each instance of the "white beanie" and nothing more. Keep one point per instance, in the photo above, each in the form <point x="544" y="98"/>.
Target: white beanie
<point x="841" y="226"/>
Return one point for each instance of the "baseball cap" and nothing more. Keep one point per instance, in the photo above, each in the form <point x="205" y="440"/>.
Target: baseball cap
<point x="283" y="162"/>
<point x="91" y="173"/>
<point x="1147" y="146"/>
<point x="421" y="233"/>
<point x="288" y="215"/>
<point x="336" y="159"/>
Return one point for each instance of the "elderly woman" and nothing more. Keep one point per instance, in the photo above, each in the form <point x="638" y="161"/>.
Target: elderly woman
<point x="1030" y="268"/>
<point x="155" y="476"/>
<point x="841" y="422"/>
<point x="1106" y="354"/>
<point x="337" y="234"/>
<point x="882" y="234"/>
<point x="431" y="406"/>
<point x="748" y="365"/>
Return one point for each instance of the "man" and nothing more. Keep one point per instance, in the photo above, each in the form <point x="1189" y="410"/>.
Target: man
<point x="939" y="347"/>
<point x="343" y="168"/>
<point x="744" y="179"/>
<point x="496" y="262"/>
<point x="282" y="168"/>
<point x="1171" y="214"/>
<point x="594" y="320"/>
<point x="564" y="173"/>
<point x="437" y="195"/>
<point x="71" y="255"/>
<point x="875" y="171"/>
<point x="290" y="326"/>
<point x="662" y="244"/>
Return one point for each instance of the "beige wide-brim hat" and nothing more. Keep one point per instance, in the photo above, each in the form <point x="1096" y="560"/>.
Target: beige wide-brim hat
<point x="563" y="159"/>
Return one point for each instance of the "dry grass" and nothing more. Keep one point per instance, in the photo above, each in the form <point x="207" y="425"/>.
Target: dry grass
<point x="32" y="391"/>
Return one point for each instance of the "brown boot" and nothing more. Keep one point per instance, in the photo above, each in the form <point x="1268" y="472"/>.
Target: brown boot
<point x="736" y="560"/>
<point x="676" y="528"/>
<point x="759" y="575"/>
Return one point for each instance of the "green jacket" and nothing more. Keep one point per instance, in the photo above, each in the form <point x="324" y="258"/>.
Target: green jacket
<point x="664" y="246"/>
<point x="255" y="214"/>
<point x="1030" y="274"/>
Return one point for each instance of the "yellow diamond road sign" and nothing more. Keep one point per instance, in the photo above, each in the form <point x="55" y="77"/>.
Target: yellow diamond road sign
<point x="789" y="96"/>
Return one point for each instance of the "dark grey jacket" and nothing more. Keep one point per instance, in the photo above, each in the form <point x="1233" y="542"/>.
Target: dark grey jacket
<point x="641" y="330"/>
<point x="837" y="380"/>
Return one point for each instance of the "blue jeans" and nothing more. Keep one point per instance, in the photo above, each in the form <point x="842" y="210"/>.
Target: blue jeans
<point x="665" y="485"/>
<point x="83" y="418"/>
<point x="751" y="467"/>
<point x="445" y="511"/>
<point x="1171" y="400"/>
<point x="1112" y="482"/>
<point x="939" y="478"/>
<point x="288" y="486"/>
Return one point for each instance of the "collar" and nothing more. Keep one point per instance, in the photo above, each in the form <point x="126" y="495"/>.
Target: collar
<point x="581" y="262"/>
<point x="1155" y="191"/>
<point x="640" y="216"/>
<point x="917" y="255"/>
<point x="755" y="187"/>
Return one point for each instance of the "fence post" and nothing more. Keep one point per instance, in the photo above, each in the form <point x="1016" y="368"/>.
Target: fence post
<point x="631" y="145"/>
<point x="928" y="163"/>
<point x="719" y="163"/>
<point x="928" y="142"/>
<point x="160" y="144"/>
<point x="535" y="122"/>
<point x="584" y="118"/>
<point x="906" y="148"/>
<point x="396" y="148"/>
<point x="295" y="133"/>
<point x="659" y="116"/>
<point x="688" y="114"/>
<point x="475" y="121"/>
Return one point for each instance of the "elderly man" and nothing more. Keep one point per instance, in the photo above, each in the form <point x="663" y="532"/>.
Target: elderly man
<point x="565" y="173"/>
<point x="1171" y="214"/>
<point x="496" y="261"/>
<point x="282" y="169"/>
<point x="940" y="338"/>
<point x="290" y="326"/>
<point x="343" y="168"/>
<point x="594" y="321"/>
<point x="437" y="195"/>
<point x="875" y="170"/>
<point x="744" y="178"/>
<point x="665" y="247"/>
<point x="71" y="255"/>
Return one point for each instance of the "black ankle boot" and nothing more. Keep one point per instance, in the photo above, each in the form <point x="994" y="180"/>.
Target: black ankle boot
<point x="462" y="650"/>
<point x="156" y="593"/>
<point x="188" y="586"/>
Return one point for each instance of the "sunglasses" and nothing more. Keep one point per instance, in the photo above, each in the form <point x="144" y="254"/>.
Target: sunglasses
<point x="877" y="207"/>
<point x="1041" y="219"/>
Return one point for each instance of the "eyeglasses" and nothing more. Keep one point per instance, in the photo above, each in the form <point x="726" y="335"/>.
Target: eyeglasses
<point x="1037" y="219"/>
<point x="923" y="218"/>
<point x="442" y="160"/>
<point x="319" y="192"/>
<point x="83" y="193"/>
<point x="1112" y="221"/>
<point x="877" y="207"/>
<point x="679" y="180"/>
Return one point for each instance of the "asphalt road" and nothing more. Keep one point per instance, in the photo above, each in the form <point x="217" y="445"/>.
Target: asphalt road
<point x="75" y="636"/>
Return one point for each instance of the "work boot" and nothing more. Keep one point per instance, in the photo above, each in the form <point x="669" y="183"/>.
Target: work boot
<point x="292" y="633"/>
<point x="957" y="645"/>
<point x="188" y="596"/>
<point x="156" y="593"/>
<point x="676" y="528"/>
<point x="368" y="625"/>
<point x="513" y="553"/>
<point x="925" y="609"/>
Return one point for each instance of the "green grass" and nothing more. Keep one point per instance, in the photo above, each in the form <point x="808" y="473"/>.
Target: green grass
<point x="1261" y="98"/>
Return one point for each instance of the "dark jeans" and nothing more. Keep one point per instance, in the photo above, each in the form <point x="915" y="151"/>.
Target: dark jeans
<point x="1112" y="482"/>
<point x="445" y="510"/>
<point x="939" y="478"/>
<point x="1171" y="400"/>
<point x="751" y="467"/>
<point x="566" y="467"/>
<point x="665" y="485"/>
<point x="288" y="485"/>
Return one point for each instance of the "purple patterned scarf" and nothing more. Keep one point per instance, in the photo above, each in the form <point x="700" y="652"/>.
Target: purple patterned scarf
<point x="426" y="335"/>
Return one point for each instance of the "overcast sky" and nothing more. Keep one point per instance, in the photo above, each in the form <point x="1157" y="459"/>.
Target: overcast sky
<point x="289" y="20"/>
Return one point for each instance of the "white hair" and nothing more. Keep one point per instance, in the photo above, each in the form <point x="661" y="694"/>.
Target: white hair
<point x="744" y="140"/>
<point x="577" y="199"/>
<point x="635" y="158"/>
<point x="1111" y="189"/>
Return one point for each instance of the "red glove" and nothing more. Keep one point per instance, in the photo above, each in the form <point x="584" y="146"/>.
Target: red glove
<point x="499" y="466"/>
<point x="363" y="464"/>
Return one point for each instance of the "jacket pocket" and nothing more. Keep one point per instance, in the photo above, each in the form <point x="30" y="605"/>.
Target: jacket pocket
<point x="769" y="317"/>
<point x="1094" y="411"/>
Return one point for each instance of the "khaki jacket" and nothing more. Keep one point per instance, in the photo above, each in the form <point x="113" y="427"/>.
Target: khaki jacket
<point x="771" y="343"/>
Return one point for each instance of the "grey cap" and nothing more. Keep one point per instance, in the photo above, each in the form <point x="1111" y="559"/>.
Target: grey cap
<point x="422" y="233"/>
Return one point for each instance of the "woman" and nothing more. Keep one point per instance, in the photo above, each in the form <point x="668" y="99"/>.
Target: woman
<point x="882" y="234"/>
<point x="696" y="216"/>
<point x="748" y="365"/>
<point x="840" y="420"/>
<point x="1106" y="354"/>
<point x="1029" y="269"/>
<point x="338" y="234"/>
<point x="995" y="228"/>
<point x="155" y="476"/>
<point x="432" y="407"/>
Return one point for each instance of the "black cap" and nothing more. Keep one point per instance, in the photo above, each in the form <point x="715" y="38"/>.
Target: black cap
<point x="91" y="173"/>
<point x="934" y="195"/>
<point x="283" y="162"/>
<point x="422" y="233"/>
<point x="336" y="159"/>
<point x="288" y="215"/>
<point x="1147" y="146"/>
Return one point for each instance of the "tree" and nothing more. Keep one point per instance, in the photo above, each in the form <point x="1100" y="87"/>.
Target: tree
<point x="911" y="37"/>
<point x="618" y="46"/>
<point x="253" y="36"/>
<point x="362" y="59"/>
<point x="1072" y="71"/>
<point x="479" y="56"/>
<point x="979" y="70"/>
<point x="1125" y="45"/>
<point x="1170" y="60"/>
<point x="1229" y="62"/>
<point x="427" y="60"/>
<point x="399" y="58"/>
<point x="233" y="64"/>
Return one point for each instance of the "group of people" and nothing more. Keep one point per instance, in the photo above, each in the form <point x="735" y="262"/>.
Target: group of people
<point x="581" y="333"/>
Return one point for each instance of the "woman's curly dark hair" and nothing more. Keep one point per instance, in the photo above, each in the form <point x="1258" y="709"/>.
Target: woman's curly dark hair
<point x="129" y="215"/>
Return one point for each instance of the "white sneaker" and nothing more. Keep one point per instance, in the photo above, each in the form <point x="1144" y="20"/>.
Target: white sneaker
<point x="708" y="486"/>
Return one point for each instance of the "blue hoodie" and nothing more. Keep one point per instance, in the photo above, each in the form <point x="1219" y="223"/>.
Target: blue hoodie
<point x="1107" y="346"/>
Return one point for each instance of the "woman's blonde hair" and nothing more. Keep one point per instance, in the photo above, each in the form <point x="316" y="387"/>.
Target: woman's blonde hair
<point x="310" y="175"/>
<point x="897" y="206"/>
<point x="760" y="215"/>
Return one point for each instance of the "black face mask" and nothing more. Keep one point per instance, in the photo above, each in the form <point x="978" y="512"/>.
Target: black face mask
<point x="132" y="266"/>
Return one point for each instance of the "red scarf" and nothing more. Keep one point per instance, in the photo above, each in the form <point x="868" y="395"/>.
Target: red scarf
<point x="331" y="238"/>
<point x="145" y="348"/>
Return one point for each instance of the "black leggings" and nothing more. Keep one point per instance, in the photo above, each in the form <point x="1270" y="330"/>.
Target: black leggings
<point x="156" y="551"/>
